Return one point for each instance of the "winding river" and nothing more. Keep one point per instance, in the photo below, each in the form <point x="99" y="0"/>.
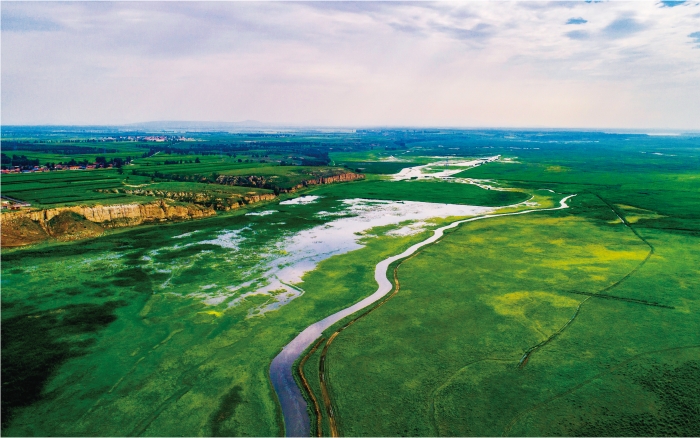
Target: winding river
<point x="296" y="417"/>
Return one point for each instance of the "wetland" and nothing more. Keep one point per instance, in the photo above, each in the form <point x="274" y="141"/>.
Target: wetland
<point x="509" y="291"/>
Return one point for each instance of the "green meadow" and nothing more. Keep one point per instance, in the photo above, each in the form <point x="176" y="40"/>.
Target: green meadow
<point x="579" y="321"/>
<point x="148" y="361"/>
<point x="570" y="322"/>
<point x="425" y="191"/>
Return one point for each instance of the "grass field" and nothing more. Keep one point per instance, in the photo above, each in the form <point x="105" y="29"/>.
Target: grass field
<point x="378" y="167"/>
<point x="424" y="191"/>
<point x="471" y="306"/>
<point x="567" y="322"/>
<point x="124" y="310"/>
<point x="144" y="359"/>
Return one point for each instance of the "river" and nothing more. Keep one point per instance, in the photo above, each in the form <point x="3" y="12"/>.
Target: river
<point x="296" y="417"/>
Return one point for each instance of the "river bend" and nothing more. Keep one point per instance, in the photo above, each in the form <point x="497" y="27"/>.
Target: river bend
<point x="296" y="417"/>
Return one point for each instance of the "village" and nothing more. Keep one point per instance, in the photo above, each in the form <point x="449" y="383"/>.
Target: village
<point x="18" y="169"/>
<point x="31" y="166"/>
<point x="13" y="204"/>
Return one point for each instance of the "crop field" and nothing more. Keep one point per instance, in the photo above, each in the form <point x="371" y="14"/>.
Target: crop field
<point x="536" y="322"/>
<point x="175" y="186"/>
<point x="65" y="188"/>
<point x="51" y="189"/>
<point x="43" y="151"/>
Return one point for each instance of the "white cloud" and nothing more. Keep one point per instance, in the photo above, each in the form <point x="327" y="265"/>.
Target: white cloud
<point x="458" y="64"/>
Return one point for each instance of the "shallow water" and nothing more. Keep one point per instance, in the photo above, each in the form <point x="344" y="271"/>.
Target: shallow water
<point x="417" y="172"/>
<point x="306" y="249"/>
<point x="269" y="252"/>
<point x="296" y="418"/>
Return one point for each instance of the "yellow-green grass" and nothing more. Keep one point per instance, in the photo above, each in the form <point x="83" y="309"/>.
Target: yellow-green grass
<point x="442" y="356"/>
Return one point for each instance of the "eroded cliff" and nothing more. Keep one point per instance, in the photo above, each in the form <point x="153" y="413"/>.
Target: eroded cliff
<point x="21" y="228"/>
<point x="268" y="183"/>
<point x="215" y="200"/>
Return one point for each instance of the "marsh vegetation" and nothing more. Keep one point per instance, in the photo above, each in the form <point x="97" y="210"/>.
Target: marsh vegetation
<point x="163" y="329"/>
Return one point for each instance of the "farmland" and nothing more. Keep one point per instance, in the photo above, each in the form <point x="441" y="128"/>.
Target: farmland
<point x="575" y="321"/>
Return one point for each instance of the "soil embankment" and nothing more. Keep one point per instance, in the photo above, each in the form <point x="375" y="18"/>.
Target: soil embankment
<point x="27" y="227"/>
<point x="216" y="200"/>
<point x="269" y="183"/>
<point x="22" y="228"/>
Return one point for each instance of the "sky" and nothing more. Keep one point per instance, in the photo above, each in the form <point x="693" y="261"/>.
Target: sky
<point x="571" y="64"/>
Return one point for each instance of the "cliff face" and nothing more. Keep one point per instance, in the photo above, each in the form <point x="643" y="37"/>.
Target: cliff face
<point x="120" y="215"/>
<point x="217" y="201"/>
<point x="263" y="182"/>
<point x="343" y="177"/>
<point x="21" y="228"/>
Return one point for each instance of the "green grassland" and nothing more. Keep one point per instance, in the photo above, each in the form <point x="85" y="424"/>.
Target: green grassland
<point x="425" y="191"/>
<point x="472" y="305"/>
<point x="512" y="283"/>
<point x="378" y="167"/>
<point x="111" y="336"/>
<point x="153" y="364"/>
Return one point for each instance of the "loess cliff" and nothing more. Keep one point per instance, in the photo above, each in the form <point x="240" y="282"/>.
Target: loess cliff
<point x="215" y="200"/>
<point x="268" y="183"/>
<point x="26" y="227"/>
<point x="21" y="228"/>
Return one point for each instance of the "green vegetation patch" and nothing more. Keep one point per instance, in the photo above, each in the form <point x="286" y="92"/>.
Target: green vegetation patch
<point x="442" y="357"/>
<point x="425" y="191"/>
<point x="378" y="167"/>
<point x="35" y="344"/>
<point x="169" y="364"/>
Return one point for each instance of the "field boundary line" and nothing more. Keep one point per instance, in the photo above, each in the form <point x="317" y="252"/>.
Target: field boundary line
<point x="528" y="353"/>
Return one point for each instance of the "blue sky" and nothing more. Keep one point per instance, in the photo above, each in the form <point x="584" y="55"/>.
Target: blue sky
<point x="470" y="64"/>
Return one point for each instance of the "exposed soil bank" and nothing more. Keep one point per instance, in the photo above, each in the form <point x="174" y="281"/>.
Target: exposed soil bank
<point x="269" y="183"/>
<point x="22" y="228"/>
<point x="27" y="227"/>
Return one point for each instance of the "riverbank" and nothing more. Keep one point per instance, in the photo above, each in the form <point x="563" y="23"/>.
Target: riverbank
<point x="292" y="402"/>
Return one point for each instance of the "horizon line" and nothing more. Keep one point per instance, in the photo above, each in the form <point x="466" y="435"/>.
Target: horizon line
<point x="257" y="125"/>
